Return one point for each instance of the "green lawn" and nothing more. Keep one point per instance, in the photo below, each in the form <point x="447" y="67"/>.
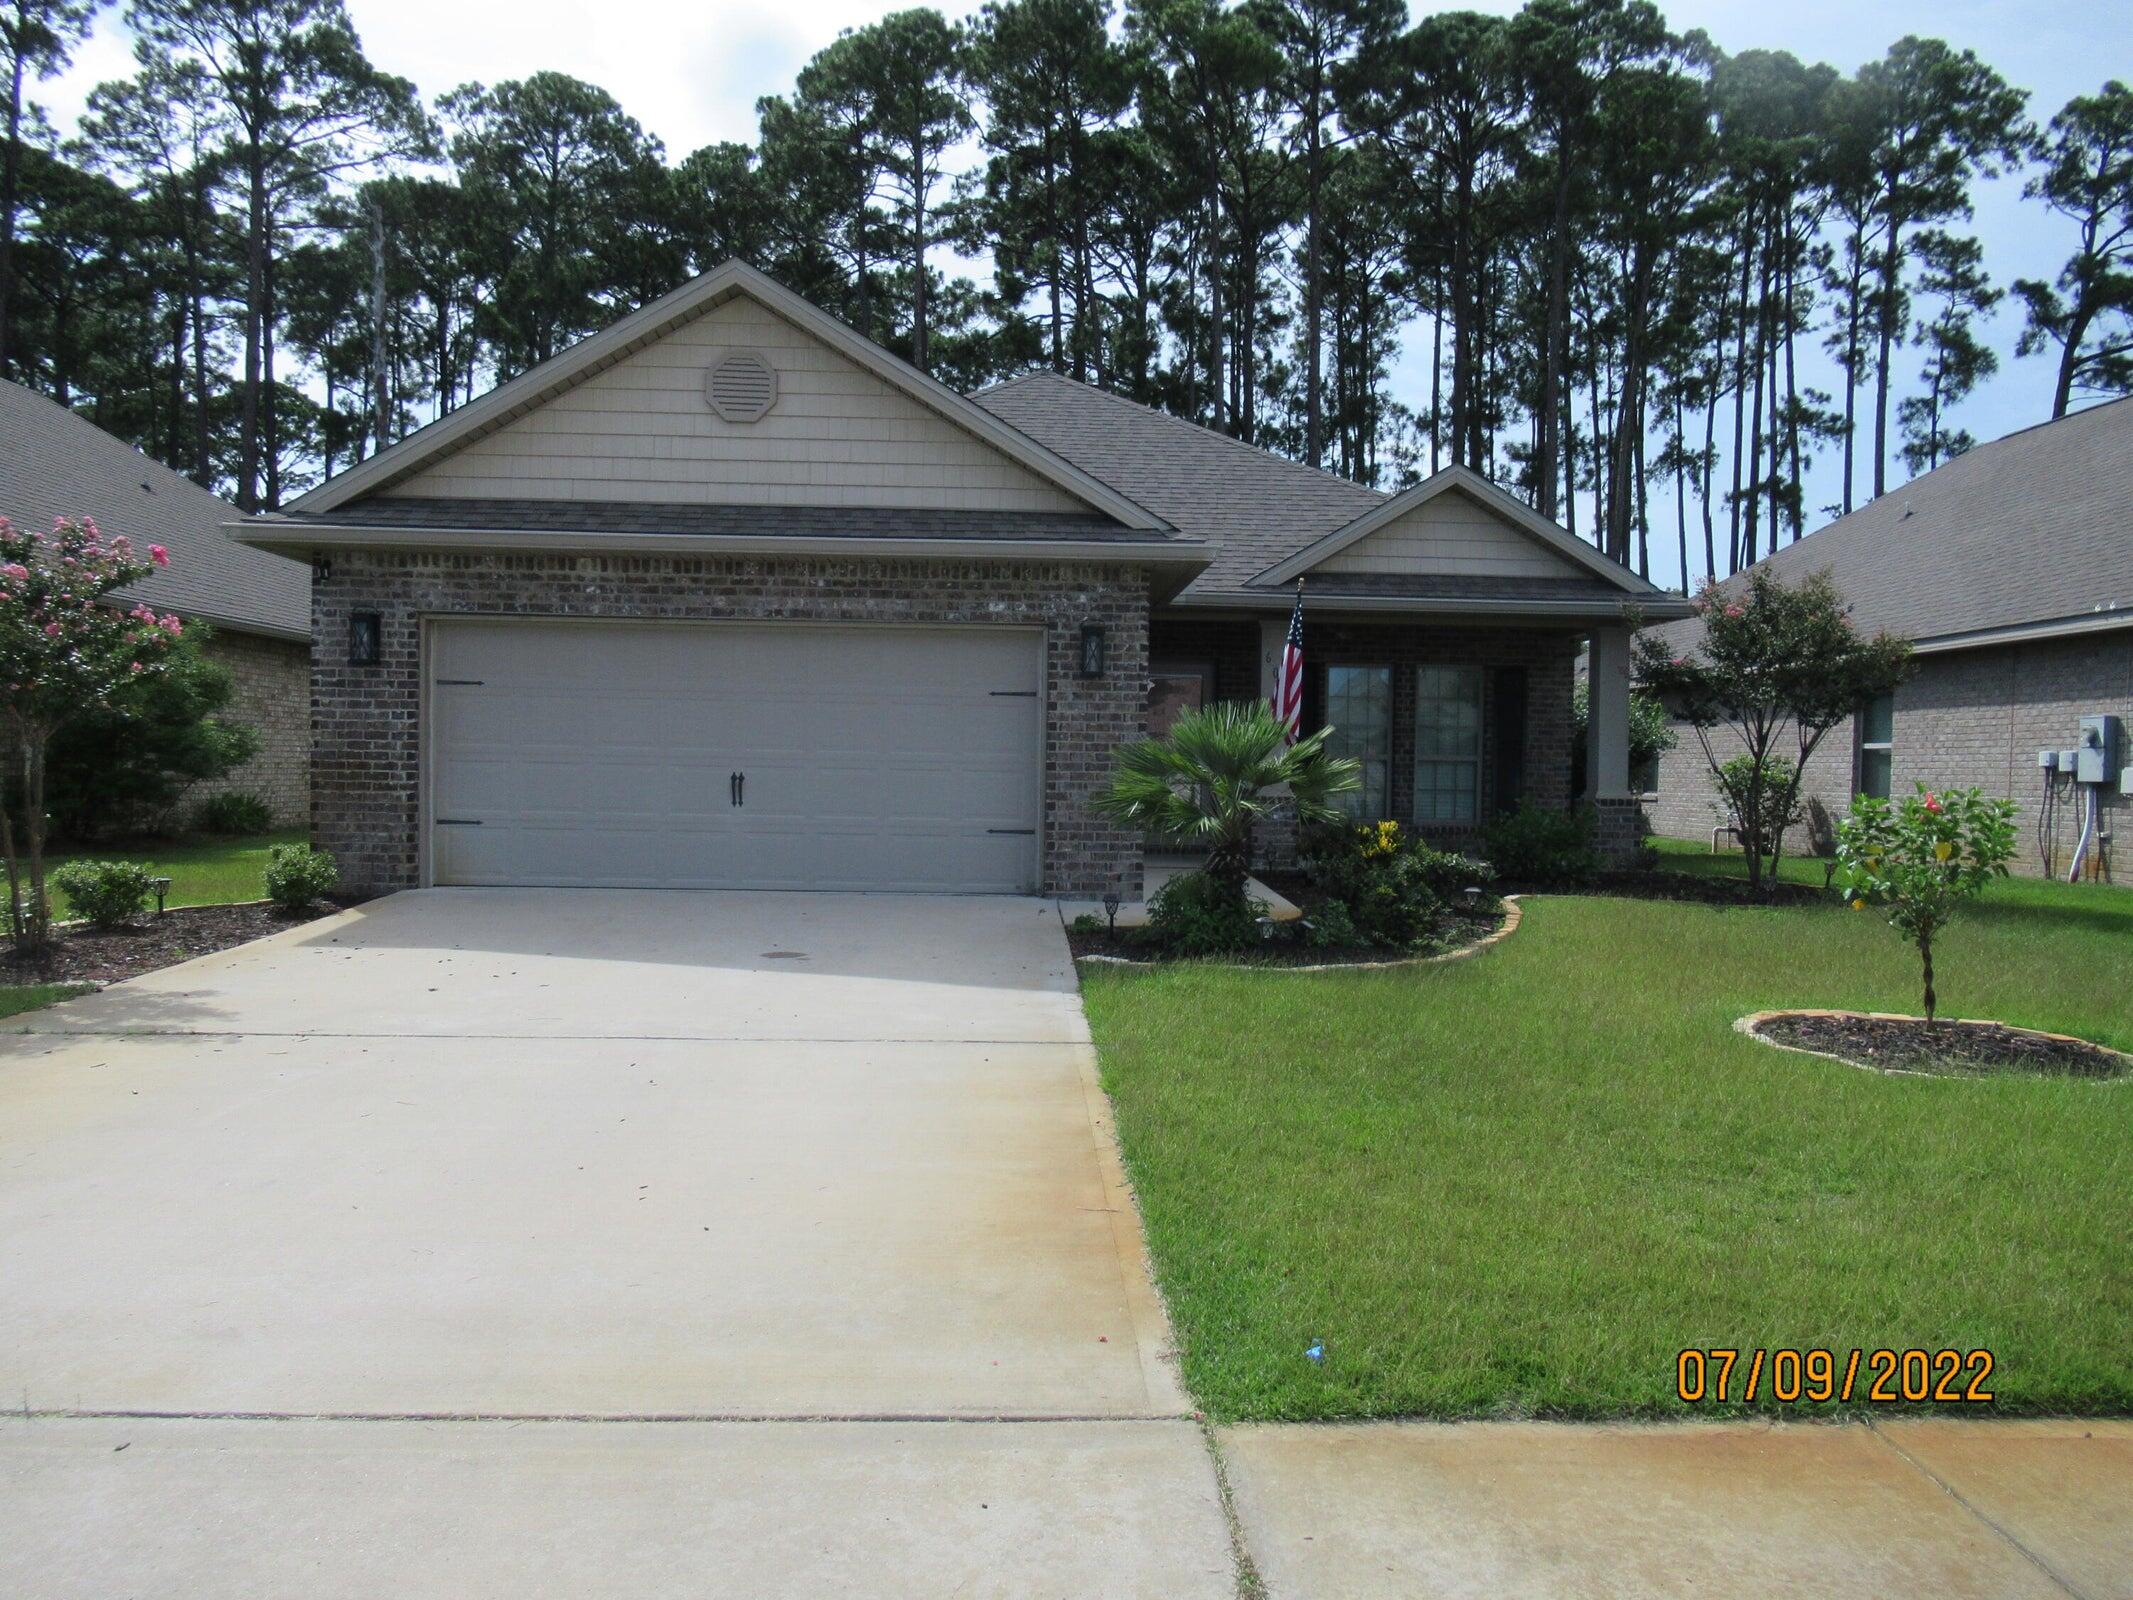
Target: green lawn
<point x="1521" y="1184"/>
<point x="16" y="999"/>
<point x="202" y="872"/>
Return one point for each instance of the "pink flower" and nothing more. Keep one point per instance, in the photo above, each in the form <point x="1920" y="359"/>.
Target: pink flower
<point x="1681" y="661"/>
<point x="172" y="626"/>
<point x="1735" y="611"/>
<point x="17" y="571"/>
<point x="51" y="630"/>
<point x="137" y="667"/>
<point x="1932" y="805"/>
<point x="159" y="555"/>
<point x="88" y="526"/>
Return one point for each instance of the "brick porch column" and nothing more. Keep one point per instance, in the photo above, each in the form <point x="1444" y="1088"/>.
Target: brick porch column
<point x="1617" y="817"/>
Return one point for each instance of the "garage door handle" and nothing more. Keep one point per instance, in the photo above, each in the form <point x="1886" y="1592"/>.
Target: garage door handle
<point x="737" y="788"/>
<point x="1011" y="830"/>
<point x="459" y="822"/>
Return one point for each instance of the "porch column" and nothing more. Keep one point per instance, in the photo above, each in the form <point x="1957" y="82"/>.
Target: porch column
<point x="1607" y="716"/>
<point x="1274" y="844"/>
<point x="1618" y="819"/>
<point x="1272" y="635"/>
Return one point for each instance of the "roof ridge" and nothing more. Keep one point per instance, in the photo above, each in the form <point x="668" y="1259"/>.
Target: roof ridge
<point x="1184" y="422"/>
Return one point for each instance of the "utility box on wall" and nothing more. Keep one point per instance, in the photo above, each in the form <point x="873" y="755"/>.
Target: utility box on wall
<point x="2096" y="758"/>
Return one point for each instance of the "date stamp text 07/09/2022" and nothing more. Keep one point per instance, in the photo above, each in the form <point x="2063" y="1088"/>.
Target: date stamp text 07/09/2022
<point x="1879" y="1377"/>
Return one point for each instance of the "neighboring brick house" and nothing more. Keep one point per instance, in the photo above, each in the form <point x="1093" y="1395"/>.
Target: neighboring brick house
<point x="727" y="596"/>
<point x="2011" y="570"/>
<point x="56" y="463"/>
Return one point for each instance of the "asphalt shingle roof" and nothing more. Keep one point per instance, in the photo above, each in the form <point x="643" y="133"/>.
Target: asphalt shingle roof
<point x="56" y="463"/>
<point x="2035" y="527"/>
<point x="1252" y="506"/>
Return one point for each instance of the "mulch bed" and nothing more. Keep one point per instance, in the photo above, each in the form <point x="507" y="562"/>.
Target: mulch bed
<point x="1952" y="1048"/>
<point x="1656" y="883"/>
<point x="83" y="955"/>
<point x="1455" y="932"/>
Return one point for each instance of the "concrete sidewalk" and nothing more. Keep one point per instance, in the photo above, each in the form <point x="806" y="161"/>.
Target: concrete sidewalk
<point x="1900" y="1510"/>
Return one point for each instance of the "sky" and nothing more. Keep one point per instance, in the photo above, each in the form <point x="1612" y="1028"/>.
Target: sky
<point x="698" y="84"/>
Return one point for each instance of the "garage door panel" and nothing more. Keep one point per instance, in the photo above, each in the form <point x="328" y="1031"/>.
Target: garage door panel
<point x="601" y="754"/>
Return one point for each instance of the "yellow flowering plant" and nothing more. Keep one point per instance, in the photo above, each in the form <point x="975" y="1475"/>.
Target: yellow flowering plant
<point x="1921" y="858"/>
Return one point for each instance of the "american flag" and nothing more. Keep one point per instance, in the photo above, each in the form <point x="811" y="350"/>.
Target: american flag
<point x="1289" y="683"/>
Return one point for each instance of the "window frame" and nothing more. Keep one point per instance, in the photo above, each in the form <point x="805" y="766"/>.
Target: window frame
<point x="1430" y="792"/>
<point x="1356" y="802"/>
<point x="1867" y="748"/>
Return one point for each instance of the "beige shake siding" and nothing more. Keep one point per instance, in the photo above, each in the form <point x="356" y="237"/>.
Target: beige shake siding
<point x="641" y="430"/>
<point x="1451" y="534"/>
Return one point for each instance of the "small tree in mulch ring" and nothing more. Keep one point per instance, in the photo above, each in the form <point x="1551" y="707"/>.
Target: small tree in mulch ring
<point x="68" y="646"/>
<point x="1922" y="858"/>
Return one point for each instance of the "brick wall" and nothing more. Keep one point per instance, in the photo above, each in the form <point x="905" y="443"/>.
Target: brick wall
<point x="1225" y="647"/>
<point x="1969" y="718"/>
<point x="271" y="696"/>
<point x="366" y="721"/>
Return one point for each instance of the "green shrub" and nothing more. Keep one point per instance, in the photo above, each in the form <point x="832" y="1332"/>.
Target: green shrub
<point x="1380" y="879"/>
<point x="235" y="814"/>
<point x="1329" y="927"/>
<point x="298" y="875"/>
<point x="1532" y="845"/>
<point x="1449" y="875"/>
<point x="1087" y="922"/>
<point x="109" y="894"/>
<point x="1194" y="914"/>
<point x="1779" y="806"/>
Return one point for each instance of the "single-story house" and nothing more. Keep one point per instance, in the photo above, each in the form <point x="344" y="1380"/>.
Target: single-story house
<point x="726" y="595"/>
<point x="54" y="462"/>
<point x="2010" y="569"/>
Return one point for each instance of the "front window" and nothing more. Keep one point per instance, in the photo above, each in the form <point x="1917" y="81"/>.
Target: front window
<point x="1359" y="711"/>
<point x="1877" y="745"/>
<point x="1447" y="744"/>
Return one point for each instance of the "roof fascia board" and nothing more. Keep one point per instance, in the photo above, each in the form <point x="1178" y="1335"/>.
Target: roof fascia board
<point x="304" y="539"/>
<point x="2025" y="633"/>
<point x="1491" y="498"/>
<point x="597" y="351"/>
<point x="1657" y="607"/>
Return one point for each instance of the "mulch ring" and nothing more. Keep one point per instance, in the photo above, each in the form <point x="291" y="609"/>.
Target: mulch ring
<point x="1458" y="936"/>
<point x="1947" y="1048"/>
<point x="80" y="954"/>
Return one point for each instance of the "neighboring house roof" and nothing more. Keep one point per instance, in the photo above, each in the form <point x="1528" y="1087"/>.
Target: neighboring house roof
<point x="1252" y="506"/>
<point x="1271" y="520"/>
<point x="590" y="356"/>
<point x="2029" y="536"/>
<point x="56" y="463"/>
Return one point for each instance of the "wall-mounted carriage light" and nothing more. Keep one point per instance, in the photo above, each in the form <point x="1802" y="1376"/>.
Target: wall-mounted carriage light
<point x="1092" y="651"/>
<point x="363" y="635"/>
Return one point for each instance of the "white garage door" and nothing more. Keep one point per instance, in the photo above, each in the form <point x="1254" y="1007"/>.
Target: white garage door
<point x="735" y="755"/>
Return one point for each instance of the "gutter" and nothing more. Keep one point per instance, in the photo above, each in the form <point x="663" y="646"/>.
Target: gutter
<point x="302" y="539"/>
<point x="2026" y="632"/>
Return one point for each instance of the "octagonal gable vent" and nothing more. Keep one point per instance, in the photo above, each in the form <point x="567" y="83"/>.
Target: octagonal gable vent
<point x="741" y="386"/>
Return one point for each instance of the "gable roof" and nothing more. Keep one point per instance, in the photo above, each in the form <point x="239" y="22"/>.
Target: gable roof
<point x="514" y="399"/>
<point x="1251" y="506"/>
<point x="2030" y="535"/>
<point x="54" y="462"/>
<point x="1507" y="508"/>
<point x="1261" y="512"/>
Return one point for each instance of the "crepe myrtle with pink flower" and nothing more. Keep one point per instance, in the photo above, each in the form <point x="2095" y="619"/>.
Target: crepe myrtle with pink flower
<point x="68" y="644"/>
<point x="1778" y="665"/>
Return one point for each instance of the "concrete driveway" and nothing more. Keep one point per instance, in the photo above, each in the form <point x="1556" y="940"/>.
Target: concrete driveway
<point x="771" y="1239"/>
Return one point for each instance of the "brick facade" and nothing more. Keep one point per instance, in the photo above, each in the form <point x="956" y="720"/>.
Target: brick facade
<point x="1968" y="718"/>
<point x="271" y="696"/>
<point x="366" y="721"/>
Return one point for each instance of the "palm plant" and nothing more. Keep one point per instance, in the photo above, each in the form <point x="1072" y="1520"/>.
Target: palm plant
<point x="1218" y="771"/>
